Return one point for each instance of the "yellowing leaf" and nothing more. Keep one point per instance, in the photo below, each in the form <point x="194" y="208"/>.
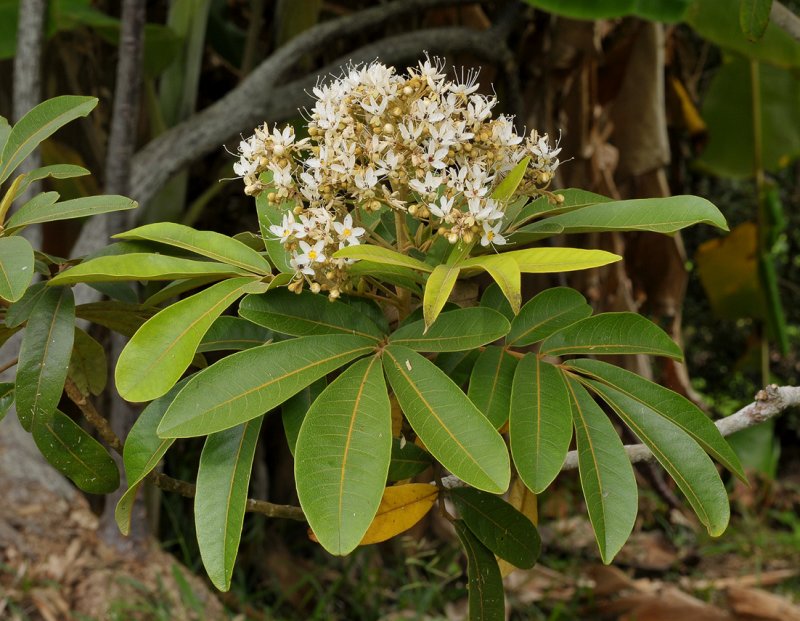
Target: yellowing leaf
<point x="402" y="506"/>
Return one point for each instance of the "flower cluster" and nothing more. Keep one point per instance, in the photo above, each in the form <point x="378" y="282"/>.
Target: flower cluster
<point x="420" y="144"/>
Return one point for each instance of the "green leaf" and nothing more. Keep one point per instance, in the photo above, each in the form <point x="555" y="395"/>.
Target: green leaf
<point x="457" y="330"/>
<point x="490" y="384"/>
<point x="660" y="11"/>
<point x="540" y="423"/>
<point x="687" y="463"/>
<point x="342" y="456"/>
<point x="56" y="171"/>
<point x="408" y="460"/>
<point x="306" y="314"/>
<point x="87" y="364"/>
<point x="506" y="188"/>
<point x="142" y="266"/>
<point x="606" y="474"/>
<point x="754" y="17"/>
<point x="117" y="316"/>
<point x="270" y="214"/>
<point x="548" y="312"/>
<point x="5" y="128"/>
<point x="6" y="398"/>
<point x="668" y="404"/>
<point x="44" y="355"/>
<point x="37" y="212"/>
<point x="143" y="450"/>
<point x="19" y="311"/>
<point x="39" y="123"/>
<point x="233" y="334"/>
<point x="718" y="22"/>
<point x="484" y="583"/>
<point x="498" y="526"/>
<point x="16" y="267"/>
<point x="494" y="298"/>
<point x="612" y="333"/>
<point x="452" y="428"/>
<point x="728" y="111"/>
<point x="251" y="382"/>
<point x="437" y="290"/>
<point x="658" y="215"/>
<point x="223" y="478"/>
<point x="294" y="410"/>
<point x="384" y="256"/>
<point x="206" y="243"/>
<point x="392" y="274"/>
<point x="74" y="453"/>
<point x="163" y="348"/>
<point x="572" y="198"/>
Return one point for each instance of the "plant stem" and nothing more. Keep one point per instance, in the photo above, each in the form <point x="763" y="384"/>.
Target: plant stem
<point x="8" y="365"/>
<point x="761" y="220"/>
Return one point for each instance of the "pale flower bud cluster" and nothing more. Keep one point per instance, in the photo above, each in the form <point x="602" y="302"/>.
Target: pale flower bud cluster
<point x="419" y="144"/>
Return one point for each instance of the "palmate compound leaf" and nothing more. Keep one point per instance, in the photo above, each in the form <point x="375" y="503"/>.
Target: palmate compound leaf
<point x="457" y="330"/>
<point x="612" y="333"/>
<point x="498" y="526"/>
<point x="251" y="382"/>
<point x="209" y="244"/>
<point x="490" y="384"/>
<point x="342" y="456"/>
<point x="672" y="406"/>
<point x="485" y="585"/>
<point x="455" y="432"/>
<point x="143" y="450"/>
<point x="74" y="453"/>
<point x="549" y="311"/>
<point x="306" y="314"/>
<point x="688" y="464"/>
<point x="223" y="478"/>
<point x="44" y="355"/>
<point x="163" y="348"/>
<point x="540" y="423"/>
<point x="607" y="479"/>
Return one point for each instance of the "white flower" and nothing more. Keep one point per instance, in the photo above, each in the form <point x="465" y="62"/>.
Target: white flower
<point x="347" y="232"/>
<point x="245" y="167"/>
<point x="434" y="155"/>
<point x="366" y="180"/>
<point x="491" y="235"/>
<point x="305" y="227"/>
<point x="311" y="254"/>
<point x="284" y="230"/>
<point x="302" y="268"/>
<point x="442" y="210"/>
<point x="427" y="186"/>
<point x="281" y="176"/>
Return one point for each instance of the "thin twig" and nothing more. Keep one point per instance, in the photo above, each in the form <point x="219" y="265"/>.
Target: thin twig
<point x="8" y="365"/>
<point x="162" y="481"/>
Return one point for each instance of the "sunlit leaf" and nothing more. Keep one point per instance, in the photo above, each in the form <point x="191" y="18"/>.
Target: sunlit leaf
<point x="437" y="291"/>
<point x="400" y="508"/>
